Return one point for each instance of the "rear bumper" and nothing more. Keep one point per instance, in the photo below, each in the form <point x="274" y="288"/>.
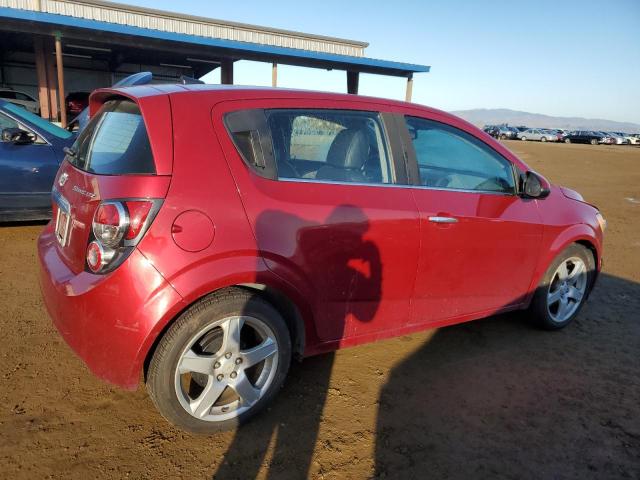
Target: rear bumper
<point x="110" y="321"/>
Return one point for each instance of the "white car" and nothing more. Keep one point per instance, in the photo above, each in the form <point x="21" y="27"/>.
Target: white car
<point x="21" y="99"/>
<point x="617" y="138"/>
<point x="631" y="139"/>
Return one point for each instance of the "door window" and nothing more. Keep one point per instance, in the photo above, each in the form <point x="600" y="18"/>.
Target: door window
<point x="452" y="159"/>
<point x="329" y="145"/>
<point x="7" y="122"/>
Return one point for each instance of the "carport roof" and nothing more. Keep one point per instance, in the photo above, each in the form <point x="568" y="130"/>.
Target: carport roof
<point x="73" y="27"/>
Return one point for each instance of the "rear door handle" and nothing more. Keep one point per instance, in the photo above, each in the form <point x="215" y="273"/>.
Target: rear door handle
<point x="443" y="220"/>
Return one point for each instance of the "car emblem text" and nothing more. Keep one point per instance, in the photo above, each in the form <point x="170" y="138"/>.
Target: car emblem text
<point x="83" y="192"/>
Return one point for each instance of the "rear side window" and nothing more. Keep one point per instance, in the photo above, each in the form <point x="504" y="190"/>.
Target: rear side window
<point x="115" y="142"/>
<point x="330" y="145"/>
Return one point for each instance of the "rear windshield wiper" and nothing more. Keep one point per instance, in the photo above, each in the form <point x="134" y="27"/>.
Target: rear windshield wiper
<point x="69" y="151"/>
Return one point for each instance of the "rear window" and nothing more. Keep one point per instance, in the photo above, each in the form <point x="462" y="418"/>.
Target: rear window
<point x="115" y="142"/>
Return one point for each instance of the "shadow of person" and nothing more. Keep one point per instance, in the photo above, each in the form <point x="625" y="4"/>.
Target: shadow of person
<point x="344" y="272"/>
<point x="496" y="399"/>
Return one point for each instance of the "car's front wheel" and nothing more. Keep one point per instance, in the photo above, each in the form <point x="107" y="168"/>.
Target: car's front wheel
<point x="594" y="141"/>
<point x="543" y="139"/>
<point x="524" y="139"/>
<point x="567" y="140"/>
<point x="220" y="363"/>
<point x="564" y="288"/>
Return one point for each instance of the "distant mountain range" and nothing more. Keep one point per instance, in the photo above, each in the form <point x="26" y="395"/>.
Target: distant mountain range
<point x="497" y="116"/>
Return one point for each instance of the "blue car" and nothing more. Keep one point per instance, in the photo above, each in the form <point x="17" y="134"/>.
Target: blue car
<point x="31" y="150"/>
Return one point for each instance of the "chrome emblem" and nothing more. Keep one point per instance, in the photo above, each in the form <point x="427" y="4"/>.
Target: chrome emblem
<point x="63" y="179"/>
<point x="83" y="192"/>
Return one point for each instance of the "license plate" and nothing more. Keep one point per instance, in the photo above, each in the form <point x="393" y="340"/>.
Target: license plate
<point x="63" y="220"/>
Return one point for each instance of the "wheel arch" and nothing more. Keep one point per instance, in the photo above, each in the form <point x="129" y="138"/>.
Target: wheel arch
<point x="580" y="234"/>
<point x="297" y="318"/>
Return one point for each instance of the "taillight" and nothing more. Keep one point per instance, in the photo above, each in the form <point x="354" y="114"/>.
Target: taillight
<point x="117" y="228"/>
<point x="110" y="223"/>
<point x="138" y="214"/>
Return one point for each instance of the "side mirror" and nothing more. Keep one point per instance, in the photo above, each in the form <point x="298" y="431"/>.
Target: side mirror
<point x="533" y="185"/>
<point x="16" y="136"/>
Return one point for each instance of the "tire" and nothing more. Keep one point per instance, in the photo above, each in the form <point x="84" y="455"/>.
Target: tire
<point x="503" y="137"/>
<point x="547" y="313"/>
<point x="567" y="140"/>
<point x="524" y="139"/>
<point x="200" y="341"/>
<point x="594" y="141"/>
<point x="543" y="139"/>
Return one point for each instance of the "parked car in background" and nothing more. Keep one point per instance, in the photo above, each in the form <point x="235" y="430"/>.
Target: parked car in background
<point x="586" y="136"/>
<point x="500" y="131"/>
<point x="76" y="102"/>
<point x="21" y="99"/>
<point x="229" y="230"/>
<point x="633" y="139"/>
<point x="538" y="134"/>
<point x="618" y="138"/>
<point x="31" y="150"/>
<point x="492" y="130"/>
<point x="82" y="119"/>
<point x="503" y="132"/>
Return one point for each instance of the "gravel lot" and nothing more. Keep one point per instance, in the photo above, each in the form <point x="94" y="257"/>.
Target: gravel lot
<point x="489" y="399"/>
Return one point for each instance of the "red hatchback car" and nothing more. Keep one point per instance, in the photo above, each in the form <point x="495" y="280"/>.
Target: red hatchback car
<point x="204" y="235"/>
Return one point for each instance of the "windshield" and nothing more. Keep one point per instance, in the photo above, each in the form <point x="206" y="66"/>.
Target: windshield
<point x="39" y="122"/>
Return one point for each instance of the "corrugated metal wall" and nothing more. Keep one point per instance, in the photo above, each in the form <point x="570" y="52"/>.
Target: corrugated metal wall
<point x="176" y="24"/>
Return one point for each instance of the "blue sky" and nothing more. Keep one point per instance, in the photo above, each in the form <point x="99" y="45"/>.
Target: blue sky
<point x="574" y="58"/>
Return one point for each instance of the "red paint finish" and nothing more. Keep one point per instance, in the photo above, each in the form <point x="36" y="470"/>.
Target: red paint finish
<point x="487" y="258"/>
<point x="192" y="231"/>
<point x="359" y="262"/>
<point x="105" y="319"/>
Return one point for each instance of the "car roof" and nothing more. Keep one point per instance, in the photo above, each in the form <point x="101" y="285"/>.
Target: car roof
<point x="237" y="92"/>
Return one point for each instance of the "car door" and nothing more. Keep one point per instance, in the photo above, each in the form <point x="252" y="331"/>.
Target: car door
<point x="26" y="171"/>
<point x="479" y="240"/>
<point x="318" y="181"/>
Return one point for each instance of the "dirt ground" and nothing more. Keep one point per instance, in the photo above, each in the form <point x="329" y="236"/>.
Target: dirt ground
<point x="494" y="398"/>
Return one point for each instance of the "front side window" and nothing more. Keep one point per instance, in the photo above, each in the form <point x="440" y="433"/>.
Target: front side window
<point x="7" y="122"/>
<point x="329" y="145"/>
<point x="452" y="159"/>
<point x="115" y="142"/>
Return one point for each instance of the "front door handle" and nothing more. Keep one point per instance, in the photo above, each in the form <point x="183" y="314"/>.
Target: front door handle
<point x="443" y="219"/>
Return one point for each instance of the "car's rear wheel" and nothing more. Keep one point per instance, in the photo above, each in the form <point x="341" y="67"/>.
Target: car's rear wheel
<point x="220" y="363"/>
<point x="567" y="140"/>
<point x="543" y="139"/>
<point x="564" y="288"/>
<point x="524" y="139"/>
<point x="503" y="137"/>
<point x="594" y="141"/>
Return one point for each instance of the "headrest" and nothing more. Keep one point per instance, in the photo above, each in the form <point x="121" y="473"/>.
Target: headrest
<point x="350" y="149"/>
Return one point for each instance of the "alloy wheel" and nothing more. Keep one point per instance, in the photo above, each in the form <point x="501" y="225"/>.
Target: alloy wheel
<point x="567" y="289"/>
<point x="226" y="368"/>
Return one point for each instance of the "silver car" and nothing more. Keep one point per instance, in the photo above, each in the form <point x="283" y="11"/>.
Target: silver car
<point x="538" y="134"/>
